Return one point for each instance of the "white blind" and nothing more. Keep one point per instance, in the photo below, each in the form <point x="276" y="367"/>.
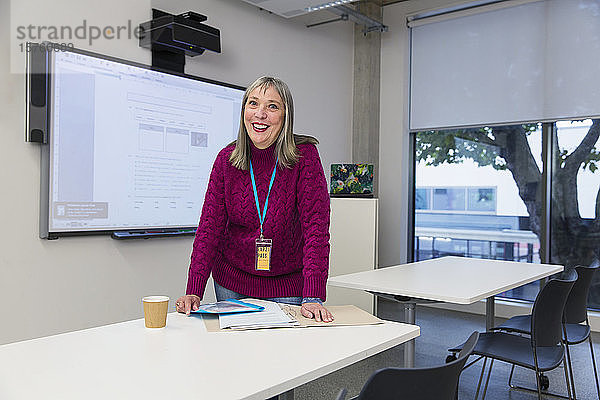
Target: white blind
<point x="532" y="62"/>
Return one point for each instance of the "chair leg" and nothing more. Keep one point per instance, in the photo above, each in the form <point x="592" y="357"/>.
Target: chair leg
<point x="512" y="370"/>
<point x="538" y="384"/>
<point x="594" y="363"/>
<point x="487" y="381"/>
<point x="480" y="378"/>
<point x="570" y="370"/>
<point x="530" y="390"/>
<point x="567" y="380"/>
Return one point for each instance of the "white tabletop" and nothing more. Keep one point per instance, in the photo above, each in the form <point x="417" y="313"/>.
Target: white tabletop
<point x="457" y="280"/>
<point x="183" y="361"/>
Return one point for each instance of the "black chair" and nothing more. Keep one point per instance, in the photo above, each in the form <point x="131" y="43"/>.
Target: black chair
<point x="439" y="382"/>
<point x="543" y="350"/>
<point x="576" y="322"/>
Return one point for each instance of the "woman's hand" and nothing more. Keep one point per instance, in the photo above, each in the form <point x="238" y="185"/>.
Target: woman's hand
<point x="316" y="311"/>
<point x="186" y="304"/>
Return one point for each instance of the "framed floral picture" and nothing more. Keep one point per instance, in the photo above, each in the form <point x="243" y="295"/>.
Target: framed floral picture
<point x="351" y="180"/>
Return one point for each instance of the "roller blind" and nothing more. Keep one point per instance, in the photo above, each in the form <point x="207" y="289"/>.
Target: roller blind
<point x="531" y="62"/>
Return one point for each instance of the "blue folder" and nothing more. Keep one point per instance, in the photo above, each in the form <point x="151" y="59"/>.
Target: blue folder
<point x="228" y="306"/>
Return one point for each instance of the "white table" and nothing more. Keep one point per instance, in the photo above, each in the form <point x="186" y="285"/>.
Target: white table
<point x="183" y="361"/>
<point x="448" y="279"/>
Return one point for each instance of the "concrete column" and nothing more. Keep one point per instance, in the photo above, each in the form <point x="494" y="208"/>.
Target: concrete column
<point x="365" y="105"/>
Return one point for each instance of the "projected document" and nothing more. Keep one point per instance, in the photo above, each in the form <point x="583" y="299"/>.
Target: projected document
<point x="130" y="147"/>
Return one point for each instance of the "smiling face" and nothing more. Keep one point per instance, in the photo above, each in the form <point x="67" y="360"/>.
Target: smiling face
<point x="264" y="113"/>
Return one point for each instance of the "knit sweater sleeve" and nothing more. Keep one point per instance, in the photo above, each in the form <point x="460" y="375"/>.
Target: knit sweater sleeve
<point x="211" y="228"/>
<point x="313" y="206"/>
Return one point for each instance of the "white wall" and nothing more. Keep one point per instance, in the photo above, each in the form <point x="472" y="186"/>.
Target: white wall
<point x="74" y="283"/>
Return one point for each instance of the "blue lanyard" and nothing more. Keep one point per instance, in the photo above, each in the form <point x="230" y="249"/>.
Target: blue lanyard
<point x="261" y="218"/>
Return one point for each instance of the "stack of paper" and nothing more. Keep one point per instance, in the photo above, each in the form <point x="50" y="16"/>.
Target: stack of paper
<point x="271" y="317"/>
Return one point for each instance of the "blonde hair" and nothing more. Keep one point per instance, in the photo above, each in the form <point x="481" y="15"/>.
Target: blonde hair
<point x="285" y="148"/>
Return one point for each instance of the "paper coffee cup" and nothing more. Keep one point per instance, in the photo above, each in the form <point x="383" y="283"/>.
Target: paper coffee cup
<point x="155" y="311"/>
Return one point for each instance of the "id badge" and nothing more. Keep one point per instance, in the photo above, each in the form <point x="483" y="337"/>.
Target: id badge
<point x="263" y="254"/>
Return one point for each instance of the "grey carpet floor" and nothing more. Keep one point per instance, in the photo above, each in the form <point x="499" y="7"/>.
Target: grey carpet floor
<point x="441" y="329"/>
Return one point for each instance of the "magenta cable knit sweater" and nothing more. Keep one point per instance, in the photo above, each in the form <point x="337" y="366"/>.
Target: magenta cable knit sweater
<point x="297" y="221"/>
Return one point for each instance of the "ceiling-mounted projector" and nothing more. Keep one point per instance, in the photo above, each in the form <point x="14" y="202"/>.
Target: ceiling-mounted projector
<point x="184" y="32"/>
<point x="293" y="8"/>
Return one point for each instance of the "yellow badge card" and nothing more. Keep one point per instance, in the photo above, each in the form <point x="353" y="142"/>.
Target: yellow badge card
<point x="263" y="254"/>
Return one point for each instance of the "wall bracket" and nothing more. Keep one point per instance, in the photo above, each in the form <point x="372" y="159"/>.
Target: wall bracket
<point x="370" y="24"/>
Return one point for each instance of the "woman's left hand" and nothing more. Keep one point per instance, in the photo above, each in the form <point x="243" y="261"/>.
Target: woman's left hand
<point x="316" y="311"/>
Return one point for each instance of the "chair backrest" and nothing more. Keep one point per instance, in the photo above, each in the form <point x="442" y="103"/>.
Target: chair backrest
<point x="437" y="382"/>
<point x="576" y="307"/>
<point x="547" y="314"/>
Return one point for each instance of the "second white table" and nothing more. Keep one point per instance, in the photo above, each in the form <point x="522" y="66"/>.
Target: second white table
<point x="456" y="280"/>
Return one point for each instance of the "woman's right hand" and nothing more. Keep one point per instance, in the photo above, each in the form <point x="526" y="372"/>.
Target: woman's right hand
<point x="186" y="304"/>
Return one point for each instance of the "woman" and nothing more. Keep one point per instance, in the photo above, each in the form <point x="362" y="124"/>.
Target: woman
<point x="264" y="229"/>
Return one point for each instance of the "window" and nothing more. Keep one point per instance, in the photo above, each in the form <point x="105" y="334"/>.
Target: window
<point x="422" y="197"/>
<point x="467" y="201"/>
<point x="481" y="199"/>
<point x="575" y="223"/>
<point x="449" y="199"/>
<point x="467" y="70"/>
<point x="456" y="199"/>
<point x="513" y="230"/>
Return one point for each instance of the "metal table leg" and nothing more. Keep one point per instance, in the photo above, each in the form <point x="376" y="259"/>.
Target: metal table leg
<point x="409" y="304"/>
<point x="409" y="347"/>
<point x="490" y="313"/>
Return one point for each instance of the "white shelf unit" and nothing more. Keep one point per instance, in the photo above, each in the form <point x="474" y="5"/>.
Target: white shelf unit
<point x="353" y="231"/>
